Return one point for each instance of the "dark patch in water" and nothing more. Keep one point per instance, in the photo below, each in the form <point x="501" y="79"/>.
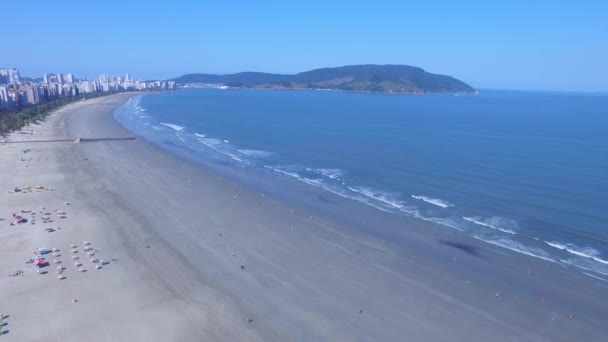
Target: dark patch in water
<point x="170" y="143"/>
<point x="472" y="250"/>
<point x="323" y="199"/>
<point x="224" y="163"/>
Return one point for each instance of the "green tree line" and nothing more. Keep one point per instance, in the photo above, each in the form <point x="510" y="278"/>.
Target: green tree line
<point x="14" y="119"/>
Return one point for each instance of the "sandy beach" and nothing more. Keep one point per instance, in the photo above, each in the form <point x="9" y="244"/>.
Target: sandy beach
<point x="194" y="255"/>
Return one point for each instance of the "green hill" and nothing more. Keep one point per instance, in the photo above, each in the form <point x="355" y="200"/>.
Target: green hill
<point x="371" y="78"/>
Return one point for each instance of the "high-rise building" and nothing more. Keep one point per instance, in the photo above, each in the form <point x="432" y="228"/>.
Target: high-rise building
<point x="3" y="76"/>
<point x="127" y="79"/>
<point x="69" y="78"/>
<point x="46" y="78"/>
<point x="13" y="76"/>
<point x="3" y="97"/>
<point x="60" y="79"/>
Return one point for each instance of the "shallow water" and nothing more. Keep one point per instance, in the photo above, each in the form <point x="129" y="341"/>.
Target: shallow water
<point x="524" y="171"/>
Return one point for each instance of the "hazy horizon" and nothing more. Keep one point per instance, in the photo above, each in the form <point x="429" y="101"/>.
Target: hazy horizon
<point x="521" y="46"/>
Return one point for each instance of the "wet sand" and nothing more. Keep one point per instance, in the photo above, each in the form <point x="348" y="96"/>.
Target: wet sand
<point x="196" y="255"/>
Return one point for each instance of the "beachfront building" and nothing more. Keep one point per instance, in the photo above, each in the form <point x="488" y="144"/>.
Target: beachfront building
<point x="4" y="99"/>
<point x="3" y="76"/>
<point x="14" y="92"/>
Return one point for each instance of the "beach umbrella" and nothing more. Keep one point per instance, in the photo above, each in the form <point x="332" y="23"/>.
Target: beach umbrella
<point x="39" y="261"/>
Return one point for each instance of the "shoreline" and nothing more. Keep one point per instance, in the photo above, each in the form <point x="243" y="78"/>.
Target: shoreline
<point x="182" y="237"/>
<point x="320" y="197"/>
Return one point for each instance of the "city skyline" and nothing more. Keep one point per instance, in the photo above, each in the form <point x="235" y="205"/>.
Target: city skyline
<point x="17" y="91"/>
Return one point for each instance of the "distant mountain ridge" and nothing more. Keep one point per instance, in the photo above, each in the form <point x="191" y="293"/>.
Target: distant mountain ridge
<point x="31" y="79"/>
<point x="368" y="78"/>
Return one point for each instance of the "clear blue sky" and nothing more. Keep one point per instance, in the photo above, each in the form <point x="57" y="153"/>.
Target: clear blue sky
<point x="552" y="45"/>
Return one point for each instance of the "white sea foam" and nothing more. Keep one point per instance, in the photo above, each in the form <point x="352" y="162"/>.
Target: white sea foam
<point x="363" y="200"/>
<point x="585" y="252"/>
<point x="329" y="173"/>
<point x="442" y="221"/>
<point x="174" y="126"/>
<point x="256" y="153"/>
<point x="200" y="135"/>
<point x="156" y="127"/>
<point x="214" y="143"/>
<point x="434" y="201"/>
<point x="321" y="184"/>
<point x="210" y="141"/>
<point x="284" y="172"/>
<point x="315" y="182"/>
<point x="226" y="141"/>
<point x="381" y="196"/>
<point x="596" y="277"/>
<point x="495" y="222"/>
<point x="587" y="264"/>
<point x="517" y="247"/>
<point x="179" y="136"/>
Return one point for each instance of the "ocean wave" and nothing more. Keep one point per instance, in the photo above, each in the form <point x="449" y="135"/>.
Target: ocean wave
<point x="174" y="126"/>
<point x="256" y="153"/>
<point x="156" y="127"/>
<point x="585" y="252"/>
<point x="517" y="247"/>
<point x="200" y="135"/>
<point x="213" y="143"/>
<point x="210" y="141"/>
<point x="315" y="182"/>
<point x="594" y="276"/>
<point x="586" y="264"/>
<point x="381" y="196"/>
<point x="321" y="184"/>
<point x="495" y="222"/>
<point x="357" y="198"/>
<point x="281" y="171"/>
<point x="179" y="136"/>
<point x="329" y="173"/>
<point x="434" y="201"/>
<point x="442" y="221"/>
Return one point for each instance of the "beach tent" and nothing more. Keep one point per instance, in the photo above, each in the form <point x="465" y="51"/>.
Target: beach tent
<point x="19" y="219"/>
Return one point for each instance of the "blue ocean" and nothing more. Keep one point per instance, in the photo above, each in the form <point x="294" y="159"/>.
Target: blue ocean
<point x="525" y="171"/>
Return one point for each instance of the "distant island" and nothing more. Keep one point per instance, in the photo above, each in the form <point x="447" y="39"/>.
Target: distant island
<point x="402" y="79"/>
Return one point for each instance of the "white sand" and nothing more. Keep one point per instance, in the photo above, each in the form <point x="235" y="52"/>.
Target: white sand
<point x="146" y="295"/>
